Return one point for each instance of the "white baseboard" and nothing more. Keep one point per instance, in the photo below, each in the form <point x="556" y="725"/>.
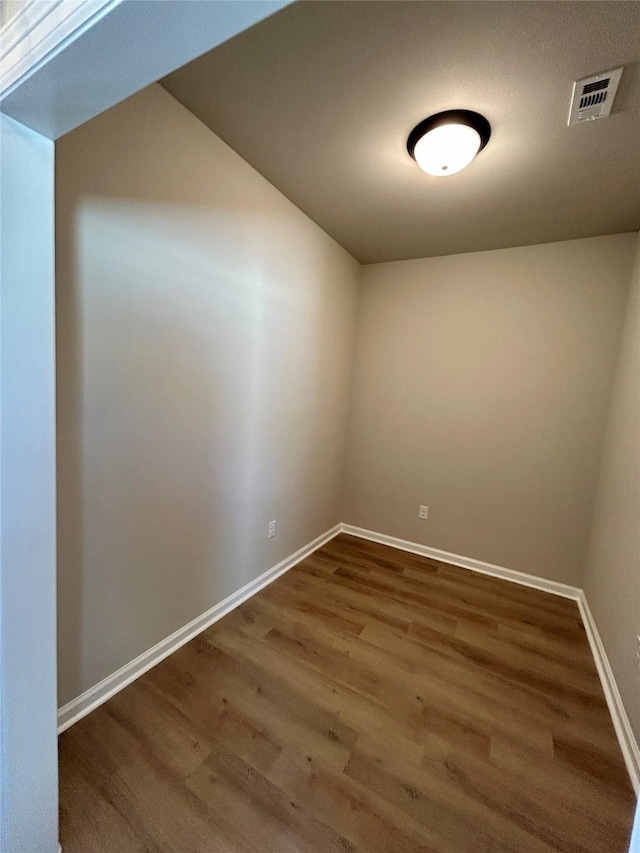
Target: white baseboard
<point x="512" y="575"/>
<point x="626" y="738"/>
<point x="95" y="696"/>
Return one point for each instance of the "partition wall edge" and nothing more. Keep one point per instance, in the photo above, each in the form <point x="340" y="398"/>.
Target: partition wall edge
<point x="47" y="89"/>
<point x="28" y="787"/>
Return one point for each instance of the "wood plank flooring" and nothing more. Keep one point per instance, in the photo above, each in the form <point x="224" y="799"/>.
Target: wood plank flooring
<point x="368" y="700"/>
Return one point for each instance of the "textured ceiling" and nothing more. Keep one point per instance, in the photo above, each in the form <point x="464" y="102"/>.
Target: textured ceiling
<point x="320" y="99"/>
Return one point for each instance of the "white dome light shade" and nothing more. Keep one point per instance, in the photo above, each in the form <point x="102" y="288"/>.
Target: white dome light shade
<point x="447" y="149"/>
<point x="445" y="143"/>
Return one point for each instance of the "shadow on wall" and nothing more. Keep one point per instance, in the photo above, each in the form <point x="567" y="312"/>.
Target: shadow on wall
<point x="191" y="381"/>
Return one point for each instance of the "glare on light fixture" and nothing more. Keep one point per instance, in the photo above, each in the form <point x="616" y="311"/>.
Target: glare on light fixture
<point x="447" y="142"/>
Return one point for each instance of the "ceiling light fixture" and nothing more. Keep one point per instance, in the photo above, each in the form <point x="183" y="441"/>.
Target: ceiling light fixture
<point x="447" y="142"/>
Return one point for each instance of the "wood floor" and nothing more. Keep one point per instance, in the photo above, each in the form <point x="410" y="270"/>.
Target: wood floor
<point x="368" y="700"/>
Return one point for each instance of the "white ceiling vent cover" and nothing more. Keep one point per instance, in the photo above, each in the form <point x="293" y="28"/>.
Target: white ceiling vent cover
<point x="592" y="97"/>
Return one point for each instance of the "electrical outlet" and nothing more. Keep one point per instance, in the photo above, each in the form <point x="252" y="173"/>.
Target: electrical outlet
<point x="423" y="513"/>
<point x="272" y="529"/>
<point x="638" y="653"/>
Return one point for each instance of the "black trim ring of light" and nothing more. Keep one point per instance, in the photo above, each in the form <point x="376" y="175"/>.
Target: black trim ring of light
<point x="465" y="117"/>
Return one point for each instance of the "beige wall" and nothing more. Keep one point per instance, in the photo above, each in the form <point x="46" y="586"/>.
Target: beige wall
<point x="205" y="339"/>
<point x="205" y="331"/>
<point x="612" y="576"/>
<point x="481" y="389"/>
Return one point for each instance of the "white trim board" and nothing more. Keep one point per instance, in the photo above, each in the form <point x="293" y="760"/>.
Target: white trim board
<point x="46" y="82"/>
<point x="621" y="724"/>
<point x="39" y="31"/>
<point x="522" y="578"/>
<point x="112" y="684"/>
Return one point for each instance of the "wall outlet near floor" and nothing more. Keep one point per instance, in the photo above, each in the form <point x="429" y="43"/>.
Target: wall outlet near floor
<point x="272" y="529"/>
<point x="423" y="512"/>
